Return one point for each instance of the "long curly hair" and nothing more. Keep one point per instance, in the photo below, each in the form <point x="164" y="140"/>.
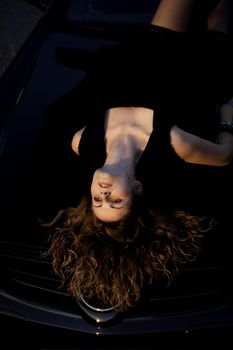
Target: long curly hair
<point x="112" y="262"/>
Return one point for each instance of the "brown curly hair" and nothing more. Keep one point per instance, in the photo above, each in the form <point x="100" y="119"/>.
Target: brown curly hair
<point x="113" y="261"/>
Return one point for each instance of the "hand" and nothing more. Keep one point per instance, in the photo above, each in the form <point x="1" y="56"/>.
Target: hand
<point x="225" y="137"/>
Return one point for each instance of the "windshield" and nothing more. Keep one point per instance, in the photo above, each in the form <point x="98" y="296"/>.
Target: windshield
<point x="114" y="11"/>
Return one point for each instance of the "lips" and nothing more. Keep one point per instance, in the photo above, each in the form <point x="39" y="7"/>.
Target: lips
<point x="104" y="185"/>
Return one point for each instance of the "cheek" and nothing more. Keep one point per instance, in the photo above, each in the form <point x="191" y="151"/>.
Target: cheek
<point x="93" y="187"/>
<point x="124" y="191"/>
<point x="128" y="200"/>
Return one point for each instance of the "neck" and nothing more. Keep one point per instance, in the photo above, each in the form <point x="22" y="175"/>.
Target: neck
<point x="122" y="154"/>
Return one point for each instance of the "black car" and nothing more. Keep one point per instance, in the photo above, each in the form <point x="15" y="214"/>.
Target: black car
<point x="35" y="311"/>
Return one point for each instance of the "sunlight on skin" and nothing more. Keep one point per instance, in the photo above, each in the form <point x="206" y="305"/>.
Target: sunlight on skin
<point x="112" y="195"/>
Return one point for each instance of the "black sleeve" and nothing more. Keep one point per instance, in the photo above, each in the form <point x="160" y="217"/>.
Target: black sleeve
<point x="70" y="112"/>
<point x="93" y="95"/>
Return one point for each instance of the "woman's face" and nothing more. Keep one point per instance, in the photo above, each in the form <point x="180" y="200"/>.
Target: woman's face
<point x="112" y="195"/>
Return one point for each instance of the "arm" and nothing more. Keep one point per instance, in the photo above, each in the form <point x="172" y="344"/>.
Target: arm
<point x="194" y="149"/>
<point x="173" y="14"/>
<point x="76" y="140"/>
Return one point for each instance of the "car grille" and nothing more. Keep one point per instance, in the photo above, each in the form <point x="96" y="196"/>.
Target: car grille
<point x="26" y="274"/>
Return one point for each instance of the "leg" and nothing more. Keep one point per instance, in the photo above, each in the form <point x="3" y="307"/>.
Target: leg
<point x="220" y="19"/>
<point x="173" y="14"/>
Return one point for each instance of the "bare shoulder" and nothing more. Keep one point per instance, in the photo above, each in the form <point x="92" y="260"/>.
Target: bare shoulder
<point x="183" y="142"/>
<point x="76" y="140"/>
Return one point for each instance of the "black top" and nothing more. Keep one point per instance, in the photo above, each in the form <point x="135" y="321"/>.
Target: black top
<point x="181" y="76"/>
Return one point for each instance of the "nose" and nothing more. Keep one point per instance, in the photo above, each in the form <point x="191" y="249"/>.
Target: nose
<point x="105" y="193"/>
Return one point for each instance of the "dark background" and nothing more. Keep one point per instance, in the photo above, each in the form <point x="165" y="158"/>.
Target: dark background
<point x="17" y="20"/>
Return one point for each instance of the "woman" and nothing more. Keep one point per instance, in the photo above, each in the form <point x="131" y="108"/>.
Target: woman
<point x="114" y="241"/>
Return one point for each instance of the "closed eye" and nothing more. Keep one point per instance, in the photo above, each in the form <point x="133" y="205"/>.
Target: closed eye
<point x="110" y="205"/>
<point x="116" y="200"/>
<point x="113" y="202"/>
<point x="97" y="199"/>
<point x="97" y="202"/>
